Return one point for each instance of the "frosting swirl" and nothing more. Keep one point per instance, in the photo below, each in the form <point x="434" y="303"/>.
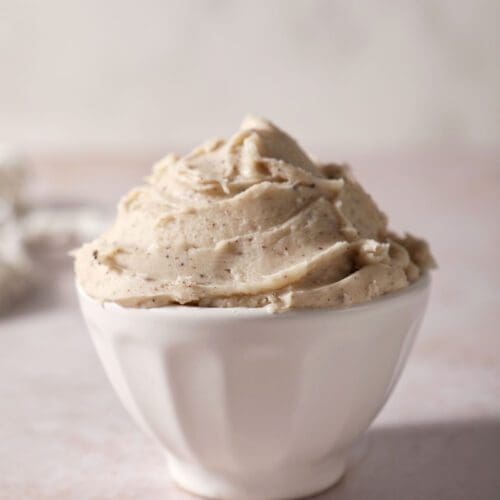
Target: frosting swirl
<point x="250" y="222"/>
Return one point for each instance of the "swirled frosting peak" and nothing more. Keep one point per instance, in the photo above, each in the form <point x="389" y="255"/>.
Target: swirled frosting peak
<point x="251" y="221"/>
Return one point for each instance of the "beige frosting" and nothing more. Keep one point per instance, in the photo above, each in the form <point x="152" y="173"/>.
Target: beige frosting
<point x="250" y="222"/>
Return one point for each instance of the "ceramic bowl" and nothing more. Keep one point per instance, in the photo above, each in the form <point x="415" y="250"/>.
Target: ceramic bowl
<point x="250" y="404"/>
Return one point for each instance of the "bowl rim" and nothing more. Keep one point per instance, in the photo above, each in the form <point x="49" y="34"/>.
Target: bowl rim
<point x="420" y="285"/>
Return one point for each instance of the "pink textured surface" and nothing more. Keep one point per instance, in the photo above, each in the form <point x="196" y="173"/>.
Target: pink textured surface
<point x="64" y="435"/>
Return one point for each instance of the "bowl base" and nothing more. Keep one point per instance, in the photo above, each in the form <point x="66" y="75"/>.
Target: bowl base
<point x="286" y="483"/>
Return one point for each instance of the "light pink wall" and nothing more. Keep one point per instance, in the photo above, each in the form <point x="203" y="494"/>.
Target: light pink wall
<point x="349" y="75"/>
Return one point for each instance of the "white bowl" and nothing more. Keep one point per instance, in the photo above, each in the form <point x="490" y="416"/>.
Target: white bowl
<point x="249" y="404"/>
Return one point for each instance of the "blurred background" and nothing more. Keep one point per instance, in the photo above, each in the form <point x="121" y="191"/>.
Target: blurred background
<point x="93" y="92"/>
<point x="353" y="76"/>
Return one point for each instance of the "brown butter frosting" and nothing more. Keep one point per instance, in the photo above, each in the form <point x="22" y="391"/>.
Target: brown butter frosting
<point x="248" y="222"/>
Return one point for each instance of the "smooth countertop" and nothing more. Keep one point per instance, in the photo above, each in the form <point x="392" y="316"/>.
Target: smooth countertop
<point x="64" y="434"/>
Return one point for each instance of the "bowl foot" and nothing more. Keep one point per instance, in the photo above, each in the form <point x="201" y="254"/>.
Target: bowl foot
<point x="286" y="483"/>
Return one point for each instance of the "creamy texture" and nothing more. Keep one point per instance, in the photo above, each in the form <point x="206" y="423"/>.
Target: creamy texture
<point x="251" y="222"/>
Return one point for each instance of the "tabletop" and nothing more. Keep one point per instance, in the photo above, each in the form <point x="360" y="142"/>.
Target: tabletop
<point x="64" y="434"/>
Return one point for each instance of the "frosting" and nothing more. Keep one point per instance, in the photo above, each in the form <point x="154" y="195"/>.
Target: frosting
<point x="251" y="221"/>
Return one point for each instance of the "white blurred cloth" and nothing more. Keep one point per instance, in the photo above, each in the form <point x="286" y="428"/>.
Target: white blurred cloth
<point x="15" y="264"/>
<point x="25" y="227"/>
